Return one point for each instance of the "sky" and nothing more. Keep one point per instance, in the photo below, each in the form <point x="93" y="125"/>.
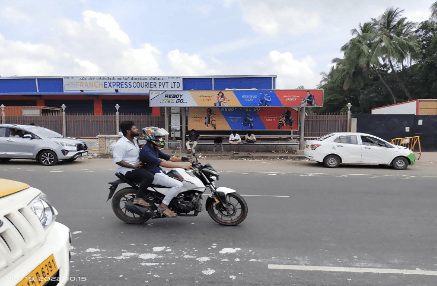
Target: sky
<point x="293" y="39"/>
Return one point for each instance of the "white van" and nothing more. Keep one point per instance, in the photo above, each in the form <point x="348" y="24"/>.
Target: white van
<point x="34" y="248"/>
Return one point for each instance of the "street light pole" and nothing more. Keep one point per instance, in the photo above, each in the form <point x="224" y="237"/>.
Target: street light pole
<point x="64" y="122"/>
<point x="117" y="119"/>
<point x="349" y="105"/>
<point x="3" y="114"/>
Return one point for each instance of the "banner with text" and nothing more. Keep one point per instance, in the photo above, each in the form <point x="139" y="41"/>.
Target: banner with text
<point x="121" y="84"/>
<point x="242" y="118"/>
<point x="237" y="98"/>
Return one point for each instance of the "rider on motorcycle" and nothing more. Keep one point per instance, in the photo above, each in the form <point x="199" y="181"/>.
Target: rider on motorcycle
<point x="150" y="155"/>
<point x="126" y="156"/>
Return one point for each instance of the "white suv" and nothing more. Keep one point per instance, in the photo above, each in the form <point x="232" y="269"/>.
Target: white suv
<point x="34" y="248"/>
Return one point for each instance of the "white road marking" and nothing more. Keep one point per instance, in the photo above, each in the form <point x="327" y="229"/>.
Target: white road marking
<point x="272" y="196"/>
<point x="29" y="170"/>
<point x="352" y="269"/>
<point x="358" y="174"/>
<point x="56" y="171"/>
<point x="265" y="196"/>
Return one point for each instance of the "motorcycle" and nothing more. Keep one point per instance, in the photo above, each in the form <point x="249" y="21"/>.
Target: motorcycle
<point x="225" y="206"/>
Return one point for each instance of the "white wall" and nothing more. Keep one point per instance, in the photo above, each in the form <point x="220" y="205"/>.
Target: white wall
<point x="402" y="108"/>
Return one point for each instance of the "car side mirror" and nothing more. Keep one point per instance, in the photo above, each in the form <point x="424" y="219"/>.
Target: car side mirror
<point x="27" y="136"/>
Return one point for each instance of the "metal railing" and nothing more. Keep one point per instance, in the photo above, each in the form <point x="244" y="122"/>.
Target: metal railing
<point x="90" y="125"/>
<point x="317" y="125"/>
<point x="86" y="125"/>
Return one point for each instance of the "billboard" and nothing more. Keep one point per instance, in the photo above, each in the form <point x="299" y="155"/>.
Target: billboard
<point x="237" y="98"/>
<point x="242" y="118"/>
<point x="123" y="84"/>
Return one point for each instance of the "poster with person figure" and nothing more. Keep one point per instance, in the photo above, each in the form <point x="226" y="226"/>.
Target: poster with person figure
<point x="236" y="98"/>
<point x="242" y="118"/>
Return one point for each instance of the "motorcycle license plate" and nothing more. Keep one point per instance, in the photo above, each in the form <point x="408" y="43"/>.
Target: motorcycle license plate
<point x="84" y="154"/>
<point x="41" y="274"/>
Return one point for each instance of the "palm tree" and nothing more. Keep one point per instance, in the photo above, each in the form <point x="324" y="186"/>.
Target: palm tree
<point x="360" y="57"/>
<point x="395" y="40"/>
<point x="433" y="11"/>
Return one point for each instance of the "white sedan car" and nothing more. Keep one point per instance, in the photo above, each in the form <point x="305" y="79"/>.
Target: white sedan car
<point x="345" y="147"/>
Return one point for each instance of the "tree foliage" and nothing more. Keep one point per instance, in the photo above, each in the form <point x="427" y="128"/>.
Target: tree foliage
<point x="388" y="60"/>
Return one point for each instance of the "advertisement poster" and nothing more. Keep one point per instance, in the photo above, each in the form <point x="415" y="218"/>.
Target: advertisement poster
<point x="123" y="84"/>
<point x="237" y="98"/>
<point x="242" y="118"/>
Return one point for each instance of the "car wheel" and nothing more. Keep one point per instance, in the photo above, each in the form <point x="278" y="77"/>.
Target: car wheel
<point x="400" y="163"/>
<point x="48" y="158"/>
<point x="331" y="161"/>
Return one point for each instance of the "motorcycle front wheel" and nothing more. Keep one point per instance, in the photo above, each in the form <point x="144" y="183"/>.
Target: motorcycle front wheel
<point x="119" y="206"/>
<point x="234" y="213"/>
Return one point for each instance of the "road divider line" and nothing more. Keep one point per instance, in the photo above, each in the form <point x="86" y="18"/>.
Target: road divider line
<point x="352" y="269"/>
<point x="56" y="171"/>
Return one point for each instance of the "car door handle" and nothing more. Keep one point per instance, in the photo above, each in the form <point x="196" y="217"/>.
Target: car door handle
<point x="11" y="140"/>
<point x="339" y="145"/>
<point x="367" y="148"/>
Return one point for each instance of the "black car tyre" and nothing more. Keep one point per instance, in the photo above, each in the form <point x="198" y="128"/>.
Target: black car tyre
<point x="48" y="158"/>
<point x="331" y="161"/>
<point x="400" y="163"/>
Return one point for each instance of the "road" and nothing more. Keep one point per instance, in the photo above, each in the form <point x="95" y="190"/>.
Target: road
<point x="322" y="224"/>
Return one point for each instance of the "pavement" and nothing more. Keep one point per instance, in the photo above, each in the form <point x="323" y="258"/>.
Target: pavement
<point x="424" y="158"/>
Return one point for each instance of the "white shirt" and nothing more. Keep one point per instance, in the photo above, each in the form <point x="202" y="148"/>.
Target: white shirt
<point x="236" y="137"/>
<point x="125" y="150"/>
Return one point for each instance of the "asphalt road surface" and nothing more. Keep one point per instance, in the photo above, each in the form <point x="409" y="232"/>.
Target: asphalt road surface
<point x="307" y="225"/>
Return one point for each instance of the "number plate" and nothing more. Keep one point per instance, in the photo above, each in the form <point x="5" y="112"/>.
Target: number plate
<point x="84" y="154"/>
<point x="41" y="274"/>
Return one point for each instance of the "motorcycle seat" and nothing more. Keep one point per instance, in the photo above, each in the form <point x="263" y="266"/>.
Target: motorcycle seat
<point x="126" y="180"/>
<point x="123" y="179"/>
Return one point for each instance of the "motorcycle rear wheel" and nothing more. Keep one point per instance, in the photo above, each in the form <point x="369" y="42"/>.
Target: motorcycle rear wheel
<point x="118" y="206"/>
<point x="236" y="213"/>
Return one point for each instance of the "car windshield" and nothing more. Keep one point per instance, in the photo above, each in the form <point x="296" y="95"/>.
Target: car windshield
<point x="325" y="137"/>
<point x="44" y="132"/>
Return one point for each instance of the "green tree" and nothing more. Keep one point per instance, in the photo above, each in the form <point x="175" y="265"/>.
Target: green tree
<point x="395" y="41"/>
<point x="433" y="11"/>
<point x="360" y="56"/>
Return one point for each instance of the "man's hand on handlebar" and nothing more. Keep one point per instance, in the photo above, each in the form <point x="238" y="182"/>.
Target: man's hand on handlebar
<point x="188" y="167"/>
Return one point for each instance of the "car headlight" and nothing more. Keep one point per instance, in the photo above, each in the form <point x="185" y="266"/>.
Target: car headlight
<point x="66" y="144"/>
<point x="43" y="210"/>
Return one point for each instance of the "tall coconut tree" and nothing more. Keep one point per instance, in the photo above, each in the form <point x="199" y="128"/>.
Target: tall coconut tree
<point x="395" y="41"/>
<point x="433" y="11"/>
<point x="360" y="57"/>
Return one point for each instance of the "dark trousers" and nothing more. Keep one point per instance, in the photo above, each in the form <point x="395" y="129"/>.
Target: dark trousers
<point x="142" y="177"/>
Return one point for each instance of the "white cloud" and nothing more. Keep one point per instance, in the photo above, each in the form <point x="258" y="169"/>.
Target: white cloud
<point x="107" y="22"/>
<point x="187" y="65"/>
<point x="205" y="10"/>
<point x="13" y="15"/>
<point x="418" y="16"/>
<point x="291" y="72"/>
<point x="271" y="17"/>
<point x="94" y="46"/>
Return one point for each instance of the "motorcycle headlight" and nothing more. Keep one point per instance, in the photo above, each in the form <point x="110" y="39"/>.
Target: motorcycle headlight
<point x="213" y="178"/>
<point x="43" y="210"/>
